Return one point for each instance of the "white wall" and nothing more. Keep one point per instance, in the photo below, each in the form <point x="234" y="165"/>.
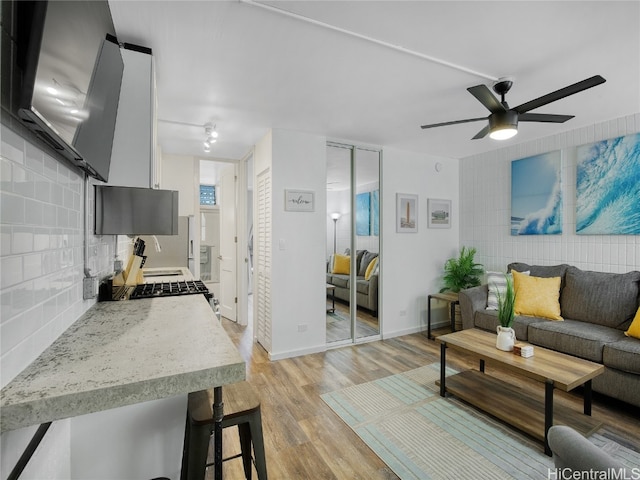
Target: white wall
<point x="485" y="185"/>
<point x="41" y="263"/>
<point x="298" y="244"/>
<point x="412" y="263"/>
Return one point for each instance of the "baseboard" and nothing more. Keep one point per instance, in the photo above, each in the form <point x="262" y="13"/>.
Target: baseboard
<point x="297" y="353"/>
<point x="406" y="331"/>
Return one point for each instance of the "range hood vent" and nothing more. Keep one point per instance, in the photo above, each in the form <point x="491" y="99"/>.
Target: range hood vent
<point x="135" y="211"/>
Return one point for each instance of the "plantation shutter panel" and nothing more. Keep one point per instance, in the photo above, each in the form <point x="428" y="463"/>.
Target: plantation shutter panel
<point x="263" y="261"/>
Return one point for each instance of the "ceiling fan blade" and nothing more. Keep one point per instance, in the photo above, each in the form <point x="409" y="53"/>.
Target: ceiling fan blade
<point x="482" y="133"/>
<point x="455" y="122"/>
<point x="544" y="117"/>
<point x="558" y="94"/>
<point x="488" y="99"/>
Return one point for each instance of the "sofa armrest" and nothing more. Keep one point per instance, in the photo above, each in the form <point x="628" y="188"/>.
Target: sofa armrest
<point x="471" y="300"/>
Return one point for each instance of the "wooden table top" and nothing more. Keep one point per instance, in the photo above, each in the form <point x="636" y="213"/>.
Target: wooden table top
<point x="566" y="371"/>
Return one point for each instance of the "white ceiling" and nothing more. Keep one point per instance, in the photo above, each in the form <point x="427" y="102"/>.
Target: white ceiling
<point x="248" y="69"/>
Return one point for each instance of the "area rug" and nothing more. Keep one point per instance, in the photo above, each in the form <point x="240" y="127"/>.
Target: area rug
<point x="421" y="435"/>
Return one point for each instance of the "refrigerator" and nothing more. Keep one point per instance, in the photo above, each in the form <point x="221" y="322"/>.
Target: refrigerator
<point x="175" y="250"/>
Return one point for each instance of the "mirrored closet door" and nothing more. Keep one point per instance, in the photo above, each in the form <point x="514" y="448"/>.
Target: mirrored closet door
<point x="353" y="225"/>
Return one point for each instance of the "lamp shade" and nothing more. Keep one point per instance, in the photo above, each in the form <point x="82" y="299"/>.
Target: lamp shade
<point x="335" y="216"/>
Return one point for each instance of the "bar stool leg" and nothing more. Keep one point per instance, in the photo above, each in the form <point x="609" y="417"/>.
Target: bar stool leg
<point x="244" y="431"/>
<point x="255" y="423"/>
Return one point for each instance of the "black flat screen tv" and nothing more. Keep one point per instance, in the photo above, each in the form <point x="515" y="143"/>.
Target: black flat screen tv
<point x="72" y="78"/>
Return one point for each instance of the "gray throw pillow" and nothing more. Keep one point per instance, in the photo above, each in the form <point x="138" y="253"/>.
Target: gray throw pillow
<point x="609" y="299"/>
<point x="364" y="263"/>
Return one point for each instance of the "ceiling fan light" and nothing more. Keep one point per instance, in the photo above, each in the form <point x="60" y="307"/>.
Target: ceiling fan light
<point x="503" y="125"/>
<point x="503" y="133"/>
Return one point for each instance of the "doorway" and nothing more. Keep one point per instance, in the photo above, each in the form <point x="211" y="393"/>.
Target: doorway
<point x="353" y="225"/>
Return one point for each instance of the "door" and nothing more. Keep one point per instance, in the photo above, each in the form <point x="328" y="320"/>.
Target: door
<point x="228" y="242"/>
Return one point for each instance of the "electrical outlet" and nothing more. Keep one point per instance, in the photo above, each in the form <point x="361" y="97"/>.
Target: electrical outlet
<point x="89" y="287"/>
<point x="302" y="327"/>
<point x="403" y="313"/>
<point x="117" y="266"/>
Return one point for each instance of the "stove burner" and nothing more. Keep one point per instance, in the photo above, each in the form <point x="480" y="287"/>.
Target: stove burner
<point x="167" y="289"/>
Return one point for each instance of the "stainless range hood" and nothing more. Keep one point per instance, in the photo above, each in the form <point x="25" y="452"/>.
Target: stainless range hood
<point x="135" y="211"/>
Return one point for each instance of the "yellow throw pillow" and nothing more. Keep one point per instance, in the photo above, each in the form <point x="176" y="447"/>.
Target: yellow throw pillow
<point x="341" y="264"/>
<point x="537" y="296"/>
<point x="634" y="328"/>
<point x="370" y="268"/>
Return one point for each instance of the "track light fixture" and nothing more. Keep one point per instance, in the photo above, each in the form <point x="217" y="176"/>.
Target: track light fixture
<point x="211" y="137"/>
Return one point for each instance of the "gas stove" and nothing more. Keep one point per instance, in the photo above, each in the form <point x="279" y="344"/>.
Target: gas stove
<point x="169" y="289"/>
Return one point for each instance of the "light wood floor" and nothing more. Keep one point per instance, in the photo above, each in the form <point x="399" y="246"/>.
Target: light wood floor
<point x="304" y="439"/>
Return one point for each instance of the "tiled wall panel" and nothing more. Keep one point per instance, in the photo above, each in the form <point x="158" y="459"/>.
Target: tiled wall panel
<point x="41" y="250"/>
<point x="485" y="208"/>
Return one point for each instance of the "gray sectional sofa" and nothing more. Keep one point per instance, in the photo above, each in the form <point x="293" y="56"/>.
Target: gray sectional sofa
<point x="597" y="309"/>
<point x="366" y="290"/>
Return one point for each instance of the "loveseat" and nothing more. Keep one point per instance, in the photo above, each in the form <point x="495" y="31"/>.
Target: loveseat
<point x="366" y="288"/>
<point x="596" y="309"/>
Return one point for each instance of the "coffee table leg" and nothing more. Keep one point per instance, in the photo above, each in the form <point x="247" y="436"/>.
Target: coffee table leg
<point x="548" y="413"/>
<point x="443" y="368"/>
<point x="587" y="398"/>
<point x="482" y="365"/>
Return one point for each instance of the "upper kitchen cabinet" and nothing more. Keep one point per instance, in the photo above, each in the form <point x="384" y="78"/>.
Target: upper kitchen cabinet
<point x="133" y="157"/>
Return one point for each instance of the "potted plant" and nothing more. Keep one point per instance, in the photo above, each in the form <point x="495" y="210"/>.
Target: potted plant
<point x="506" y="314"/>
<point x="462" y="272"/>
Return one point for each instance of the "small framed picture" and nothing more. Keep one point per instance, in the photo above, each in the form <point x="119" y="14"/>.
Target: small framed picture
<point x="439" y="213"/>
<point x="406" y="213"/>
<point x="299" y="201"/>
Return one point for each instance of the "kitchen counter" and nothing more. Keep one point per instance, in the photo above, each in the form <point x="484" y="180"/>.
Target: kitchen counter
<point x="122" y="353"/>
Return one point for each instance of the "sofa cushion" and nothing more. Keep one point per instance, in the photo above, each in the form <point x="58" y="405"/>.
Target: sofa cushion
<point x="544" y="271"/>
<point x="609" y="299"/>
<point x="373" y="266"/>
<point x="497" y="285"/>
<point x="362" y="286"/>
<point x="338" y="280"/>
<point x="580" y="339"/>
<point x="341" y="264"/>
<point x="364" y="262"/>
<point x="623" y="355"/>
<point x="359" y="254"/>
<point x="488" y="320"/>
<point x="537" y="296"/>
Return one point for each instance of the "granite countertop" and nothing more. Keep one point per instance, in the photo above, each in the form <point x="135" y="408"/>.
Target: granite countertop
<point x="121" y="353"/>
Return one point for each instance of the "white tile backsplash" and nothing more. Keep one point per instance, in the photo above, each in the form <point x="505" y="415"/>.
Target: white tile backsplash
<point x="485" y="206"/>
<point x="41" y="256"/>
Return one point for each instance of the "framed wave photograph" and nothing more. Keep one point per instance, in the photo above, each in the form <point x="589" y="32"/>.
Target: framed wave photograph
<point x="608" y="187"/>
<point x="536" y="195"/>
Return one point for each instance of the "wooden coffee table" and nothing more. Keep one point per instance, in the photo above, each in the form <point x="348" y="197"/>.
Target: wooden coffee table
<point x="508" y="402"/>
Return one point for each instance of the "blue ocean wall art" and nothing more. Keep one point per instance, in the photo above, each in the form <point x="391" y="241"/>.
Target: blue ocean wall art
<point x="363" y="214"/>
<point x="536" y="195"/>
<point x="608" y="187"/>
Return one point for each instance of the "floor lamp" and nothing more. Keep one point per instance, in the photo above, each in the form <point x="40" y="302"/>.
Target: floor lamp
<point x="335" y="217"/>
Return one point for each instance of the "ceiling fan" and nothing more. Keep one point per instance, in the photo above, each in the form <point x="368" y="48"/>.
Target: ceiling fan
<point x="503" y="121"/>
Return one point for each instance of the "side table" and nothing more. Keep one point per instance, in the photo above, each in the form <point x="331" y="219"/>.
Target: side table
<point x="452" y="298"/>
<point x="332" y="288"/>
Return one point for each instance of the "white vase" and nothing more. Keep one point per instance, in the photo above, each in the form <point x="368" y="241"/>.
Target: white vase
<point x="506" y="338"/>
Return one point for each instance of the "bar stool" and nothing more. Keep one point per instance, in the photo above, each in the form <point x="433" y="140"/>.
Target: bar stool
<point x="241" y="408"/>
